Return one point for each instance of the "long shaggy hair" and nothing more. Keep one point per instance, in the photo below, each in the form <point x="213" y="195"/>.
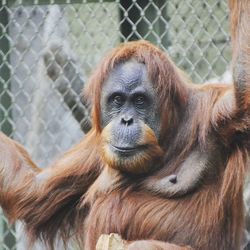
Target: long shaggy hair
<point x="51" y="202"/>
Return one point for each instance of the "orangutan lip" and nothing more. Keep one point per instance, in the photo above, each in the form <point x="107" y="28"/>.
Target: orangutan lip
<point x="127" y="149"/>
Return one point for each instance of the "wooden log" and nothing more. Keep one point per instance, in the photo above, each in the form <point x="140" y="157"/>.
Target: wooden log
<point x="110" y="242"/>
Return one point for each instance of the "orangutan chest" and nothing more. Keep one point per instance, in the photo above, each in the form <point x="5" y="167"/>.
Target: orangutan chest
<point x="138" y="216"/>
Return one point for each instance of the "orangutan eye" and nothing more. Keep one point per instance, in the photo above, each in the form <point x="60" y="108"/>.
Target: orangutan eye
<point x="140" y="100"/>
<point x="118" y="99"/>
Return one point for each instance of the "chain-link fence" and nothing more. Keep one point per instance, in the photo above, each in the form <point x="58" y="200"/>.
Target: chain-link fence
<point x="48" y="49"/>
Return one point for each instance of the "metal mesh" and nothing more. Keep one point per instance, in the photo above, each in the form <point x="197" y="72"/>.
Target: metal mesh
<point x="48" y="49"/>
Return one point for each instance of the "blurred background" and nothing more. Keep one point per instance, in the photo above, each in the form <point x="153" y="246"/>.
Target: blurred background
<point x="49" y="48"/>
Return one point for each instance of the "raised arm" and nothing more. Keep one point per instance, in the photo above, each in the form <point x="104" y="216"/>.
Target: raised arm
<point x="50" y="196"/>
<point x="240" y="20"/>
<point x="232" y="111"/>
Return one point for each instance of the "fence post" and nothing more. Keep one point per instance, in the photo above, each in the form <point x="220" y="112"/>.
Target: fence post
<point x="5" y="104"/>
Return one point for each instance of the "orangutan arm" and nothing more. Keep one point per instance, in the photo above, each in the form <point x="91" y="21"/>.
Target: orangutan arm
<point x="26" y="190"/>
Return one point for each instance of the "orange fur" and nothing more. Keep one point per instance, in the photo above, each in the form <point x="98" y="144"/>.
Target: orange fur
<point x="61" y="201"/>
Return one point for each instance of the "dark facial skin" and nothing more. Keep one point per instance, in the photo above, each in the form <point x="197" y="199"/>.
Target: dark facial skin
<point x="128" y="100"/>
